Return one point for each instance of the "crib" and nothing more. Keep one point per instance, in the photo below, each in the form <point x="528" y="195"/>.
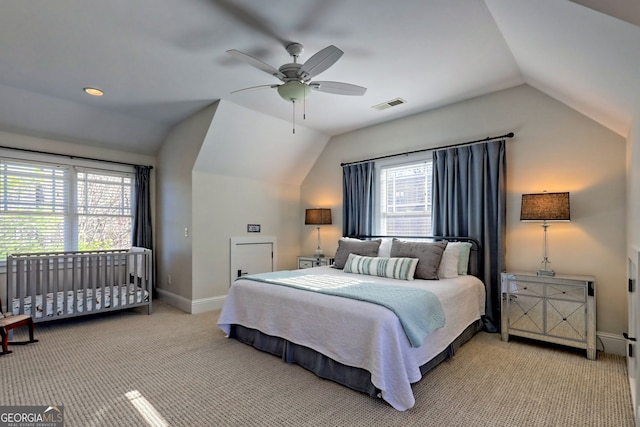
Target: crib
<point x="57" y="285"/>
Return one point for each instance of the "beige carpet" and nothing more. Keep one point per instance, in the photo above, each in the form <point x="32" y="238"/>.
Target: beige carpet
<point x="188" y="374"/>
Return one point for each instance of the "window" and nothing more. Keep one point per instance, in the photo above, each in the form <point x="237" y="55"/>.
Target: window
<point x="57" y="207"/>
<point x="104" y="210"/>
<point x="403" y="197"/>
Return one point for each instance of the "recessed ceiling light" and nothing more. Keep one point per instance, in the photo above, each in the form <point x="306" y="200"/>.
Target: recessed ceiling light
<point x="93" y="91"/>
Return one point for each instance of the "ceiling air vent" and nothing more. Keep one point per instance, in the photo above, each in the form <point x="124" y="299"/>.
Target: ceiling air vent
<point x="389" y="104"/>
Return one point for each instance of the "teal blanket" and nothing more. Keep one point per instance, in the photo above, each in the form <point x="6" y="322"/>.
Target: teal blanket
<point x="418" y="310"/>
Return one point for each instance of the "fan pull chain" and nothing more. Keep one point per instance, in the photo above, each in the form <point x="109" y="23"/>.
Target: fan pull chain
<point x="293" y="101"/>
<point x="304" y="106"/>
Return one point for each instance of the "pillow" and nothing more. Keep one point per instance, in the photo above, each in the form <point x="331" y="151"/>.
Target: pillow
<point x="354" y="246"/>
<point x="449" y="262"/>
<point x="395" y="268"/>
<point x="428" y="253"/>
<point x="463" y="257"/>
<point x="384" y="251"/>
<point x="455" y="260"/>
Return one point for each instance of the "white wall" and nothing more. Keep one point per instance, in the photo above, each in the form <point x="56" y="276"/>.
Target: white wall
<point x="223" y="206"/>
<point x="248" y="171"/>
<point x="174" y="204"/>
<point x="224" y="168"/>
<point x="633" y="186"/>
<point x="555" y="149"/>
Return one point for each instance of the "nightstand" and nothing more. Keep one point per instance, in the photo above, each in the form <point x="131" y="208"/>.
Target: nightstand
<point x="313" y="261"/>
<point x="559" y="309"/>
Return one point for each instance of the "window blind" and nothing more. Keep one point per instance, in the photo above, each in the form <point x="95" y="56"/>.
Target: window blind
<point x="34" y="207"/>
<point x="54" y="207"/>
<point x="405" y="197"/>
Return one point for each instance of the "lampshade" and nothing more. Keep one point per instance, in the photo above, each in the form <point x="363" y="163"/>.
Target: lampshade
<point x="545" y="207"/>
<point x="294" y="91"/>
<point x="317" y="216"/>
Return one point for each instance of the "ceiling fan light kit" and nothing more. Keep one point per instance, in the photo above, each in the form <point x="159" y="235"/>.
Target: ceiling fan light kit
<point x="294" y="91"/>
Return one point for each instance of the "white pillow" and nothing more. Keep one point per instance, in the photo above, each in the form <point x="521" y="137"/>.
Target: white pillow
<point x="384" y="251"/>
<point x="455" y="260"/>
<point x="449" y="263"/>
<point x="463" y="257"/>
<point x="395" y="268"/>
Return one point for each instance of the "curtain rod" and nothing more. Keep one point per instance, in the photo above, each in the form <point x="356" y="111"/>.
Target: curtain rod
<point x="489" y="138"/>
<point x="73" y="157"/>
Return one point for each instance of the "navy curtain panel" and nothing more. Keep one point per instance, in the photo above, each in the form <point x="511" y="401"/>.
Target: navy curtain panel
<point x="142" y="233"/>
<point x="357" y="203"/>
<point x="469" y="199"/>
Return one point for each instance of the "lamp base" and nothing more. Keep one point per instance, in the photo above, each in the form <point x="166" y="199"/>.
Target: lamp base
<point x="546" y="273"/>
<point x="319" y="253"/>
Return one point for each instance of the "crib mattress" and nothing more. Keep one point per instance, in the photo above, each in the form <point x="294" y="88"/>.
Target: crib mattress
<point x="84" y="300"/>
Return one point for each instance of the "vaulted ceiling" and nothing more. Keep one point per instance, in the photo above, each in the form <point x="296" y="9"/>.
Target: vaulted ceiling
<point x="159" y="61"/>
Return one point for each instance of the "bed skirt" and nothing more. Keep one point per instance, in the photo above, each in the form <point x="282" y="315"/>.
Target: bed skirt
<point x="324" y="367"/>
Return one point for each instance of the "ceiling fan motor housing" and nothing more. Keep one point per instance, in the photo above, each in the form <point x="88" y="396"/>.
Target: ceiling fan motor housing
<point x="291" y="72"/>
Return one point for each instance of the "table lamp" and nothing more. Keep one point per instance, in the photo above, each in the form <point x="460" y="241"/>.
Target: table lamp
<point x="545" y="207"/>
<point x="318" y="216"/>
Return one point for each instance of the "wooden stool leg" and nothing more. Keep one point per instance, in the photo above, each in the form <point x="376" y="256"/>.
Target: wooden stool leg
<point x="31" y="331"/>
<point x="5" y="341"/>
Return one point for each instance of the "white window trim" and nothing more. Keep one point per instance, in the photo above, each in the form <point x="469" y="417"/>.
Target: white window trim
<point x="400" y="160"/>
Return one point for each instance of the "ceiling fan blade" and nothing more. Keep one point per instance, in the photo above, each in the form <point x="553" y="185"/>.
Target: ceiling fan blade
<point x="256" y="63"/>
<point x="338" y="88"/>
<point x="319" y="62"/>
<point x="255" y="88"/>
<point x="249" y="19"/>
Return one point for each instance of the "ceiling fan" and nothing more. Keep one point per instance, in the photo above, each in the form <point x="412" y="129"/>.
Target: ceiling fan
<point x="296" y="78"/>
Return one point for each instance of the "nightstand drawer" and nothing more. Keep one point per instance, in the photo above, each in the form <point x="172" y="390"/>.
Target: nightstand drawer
<point x="309" y="261"/>
<point x="567" y="292"/>
<point x="524" y="287"/>
<point x="304" y="263"/>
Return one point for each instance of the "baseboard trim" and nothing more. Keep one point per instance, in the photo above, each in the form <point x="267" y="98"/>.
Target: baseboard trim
<point x="207" y="304"/>
<point x="612" y="343"/>
<point x="188" y="306"/>
<point x="174" y="300"/>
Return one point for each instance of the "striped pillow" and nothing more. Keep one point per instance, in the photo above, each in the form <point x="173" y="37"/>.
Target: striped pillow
<point x="395" y="268"/>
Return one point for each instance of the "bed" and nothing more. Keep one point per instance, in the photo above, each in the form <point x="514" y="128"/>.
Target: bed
<point x="375" y="354"/>
<point x="56" y="285"/>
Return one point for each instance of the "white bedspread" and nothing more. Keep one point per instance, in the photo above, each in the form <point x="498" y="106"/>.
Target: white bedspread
<point x="356" y="333"/>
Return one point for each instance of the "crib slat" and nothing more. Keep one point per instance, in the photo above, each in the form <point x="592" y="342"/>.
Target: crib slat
<point x="32" y="281"/>
<point x="66" y="265"/>
<point x="55" y="281"/>
<point x="91" y="273"/>
<point x="114" y="260"/>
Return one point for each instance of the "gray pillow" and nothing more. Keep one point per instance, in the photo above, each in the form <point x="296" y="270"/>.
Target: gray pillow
<point x="357" y="247"/>
<point x="428" y="253"/>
